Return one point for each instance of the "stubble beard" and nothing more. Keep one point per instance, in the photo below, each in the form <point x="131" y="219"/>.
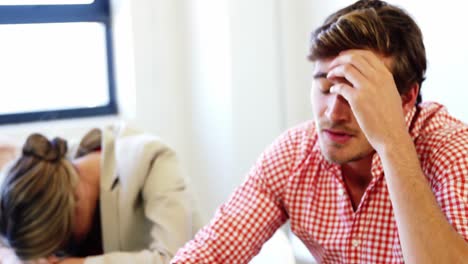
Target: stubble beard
<point x="341" y="154"/>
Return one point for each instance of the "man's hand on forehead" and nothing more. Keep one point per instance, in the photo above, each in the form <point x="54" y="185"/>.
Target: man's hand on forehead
<point x="366" y="62"/>
<point x="371" y="92"/>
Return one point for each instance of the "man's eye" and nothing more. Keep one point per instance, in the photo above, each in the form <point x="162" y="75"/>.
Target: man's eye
<point x="324" y="86"/>
<point x="324" y="90"/>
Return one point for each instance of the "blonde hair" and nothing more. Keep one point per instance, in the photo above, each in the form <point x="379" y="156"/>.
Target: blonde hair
<point x="378" y="26"/>
<point x="37" y="202"/>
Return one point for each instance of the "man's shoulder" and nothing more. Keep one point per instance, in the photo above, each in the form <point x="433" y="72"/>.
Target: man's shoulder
<point x="303" y="136"/>
<point x="303" y="132"/>
<point x="442" y="142"/>
<point x="296" y="143"/>
<point x="434" y="123"/>
<point x="445" y="143"/>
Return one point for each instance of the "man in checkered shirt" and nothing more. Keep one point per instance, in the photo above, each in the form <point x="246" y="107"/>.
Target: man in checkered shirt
<point x="378" y="177"/>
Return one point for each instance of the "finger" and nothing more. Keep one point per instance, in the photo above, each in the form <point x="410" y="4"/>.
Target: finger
<point x="345" y="90"/>
<point x="356" y="59"/>
<point x="374" y="60"/>
<point x="350" y="73"/>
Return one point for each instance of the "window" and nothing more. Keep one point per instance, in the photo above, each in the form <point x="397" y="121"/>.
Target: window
<point x="56" y="60"/>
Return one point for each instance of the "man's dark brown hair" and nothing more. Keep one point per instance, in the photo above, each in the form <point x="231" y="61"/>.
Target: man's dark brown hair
<point x="378" y="26"/>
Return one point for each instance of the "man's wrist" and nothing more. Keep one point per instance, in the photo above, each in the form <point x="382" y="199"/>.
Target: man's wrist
<point x="398" y="148"/>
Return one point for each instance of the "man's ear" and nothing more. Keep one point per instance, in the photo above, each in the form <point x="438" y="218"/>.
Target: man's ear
<point x="409" y="98"/>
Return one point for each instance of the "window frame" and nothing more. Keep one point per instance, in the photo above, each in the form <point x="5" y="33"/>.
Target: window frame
<point x="98" y="11"/>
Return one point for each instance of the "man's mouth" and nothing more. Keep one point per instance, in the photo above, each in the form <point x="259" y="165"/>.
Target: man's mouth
<point x="337" y="136"/>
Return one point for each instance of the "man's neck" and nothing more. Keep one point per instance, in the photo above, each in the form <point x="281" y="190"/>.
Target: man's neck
<point x="358" y="171"/>
<point x="357" y="176"/>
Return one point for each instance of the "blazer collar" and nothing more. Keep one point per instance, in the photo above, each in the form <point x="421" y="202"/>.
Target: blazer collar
<point x="109" y="177"/>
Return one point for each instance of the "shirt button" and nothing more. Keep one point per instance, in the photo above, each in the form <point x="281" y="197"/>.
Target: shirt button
<point x="340" y="192"/>
<point x="355" y="243"/>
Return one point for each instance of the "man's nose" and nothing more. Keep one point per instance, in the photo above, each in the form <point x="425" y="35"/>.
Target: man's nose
<point x="338" y="109"/>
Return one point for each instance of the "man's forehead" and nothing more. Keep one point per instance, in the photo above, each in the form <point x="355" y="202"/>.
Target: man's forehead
<point x="323" y="64"/>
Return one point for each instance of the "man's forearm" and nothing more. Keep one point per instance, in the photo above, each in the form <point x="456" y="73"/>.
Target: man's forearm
<point x="425" y="234"/>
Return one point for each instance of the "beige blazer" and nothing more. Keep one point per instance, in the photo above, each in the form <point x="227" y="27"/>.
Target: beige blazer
<point x="147" y="212"/>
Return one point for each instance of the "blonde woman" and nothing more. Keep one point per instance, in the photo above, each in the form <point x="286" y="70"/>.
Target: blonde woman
<point x="121" y="199"/>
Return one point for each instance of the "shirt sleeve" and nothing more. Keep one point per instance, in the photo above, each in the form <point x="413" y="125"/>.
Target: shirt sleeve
<point x="250" y="216"/>
<point x="452" y="189"/>
<point x="169" y="208"/>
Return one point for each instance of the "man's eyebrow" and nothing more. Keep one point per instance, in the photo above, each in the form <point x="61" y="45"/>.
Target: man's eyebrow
<point x="319" y="75"/>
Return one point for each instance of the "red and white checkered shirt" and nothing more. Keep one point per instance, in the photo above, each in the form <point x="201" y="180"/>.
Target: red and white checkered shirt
<point x="292" y="180"/>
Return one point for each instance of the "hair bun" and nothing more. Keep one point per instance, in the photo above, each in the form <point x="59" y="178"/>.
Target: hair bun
<point x="40" y="147"/>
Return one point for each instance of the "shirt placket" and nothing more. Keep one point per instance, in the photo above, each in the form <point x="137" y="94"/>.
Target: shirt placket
<point x="357" y="236"/>
<point x="348" y="217"/>
<point x="353" y="219"/>
<point x="355" y="240"/>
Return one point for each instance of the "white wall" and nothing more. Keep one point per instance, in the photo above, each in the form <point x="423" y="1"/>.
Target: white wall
<point x="444" y="27"/>
<point x="211" y="154"/>
<point x="237" y="91"/>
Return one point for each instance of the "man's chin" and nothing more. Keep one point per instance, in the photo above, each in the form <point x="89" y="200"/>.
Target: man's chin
<point x="340" y="160"/>
<point x="333" y="154"/>
<point x="336" y="160"/>
<point x="340" y="157"/>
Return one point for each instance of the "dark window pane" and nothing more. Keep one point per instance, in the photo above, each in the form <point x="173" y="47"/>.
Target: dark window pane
<point x="44" y="2"/>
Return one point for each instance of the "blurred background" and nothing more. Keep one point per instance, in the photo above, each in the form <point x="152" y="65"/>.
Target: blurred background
<point x="216" y="79"/>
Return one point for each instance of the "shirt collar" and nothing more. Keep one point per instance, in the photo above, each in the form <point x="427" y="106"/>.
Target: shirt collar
<point x="410" y="119"/>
